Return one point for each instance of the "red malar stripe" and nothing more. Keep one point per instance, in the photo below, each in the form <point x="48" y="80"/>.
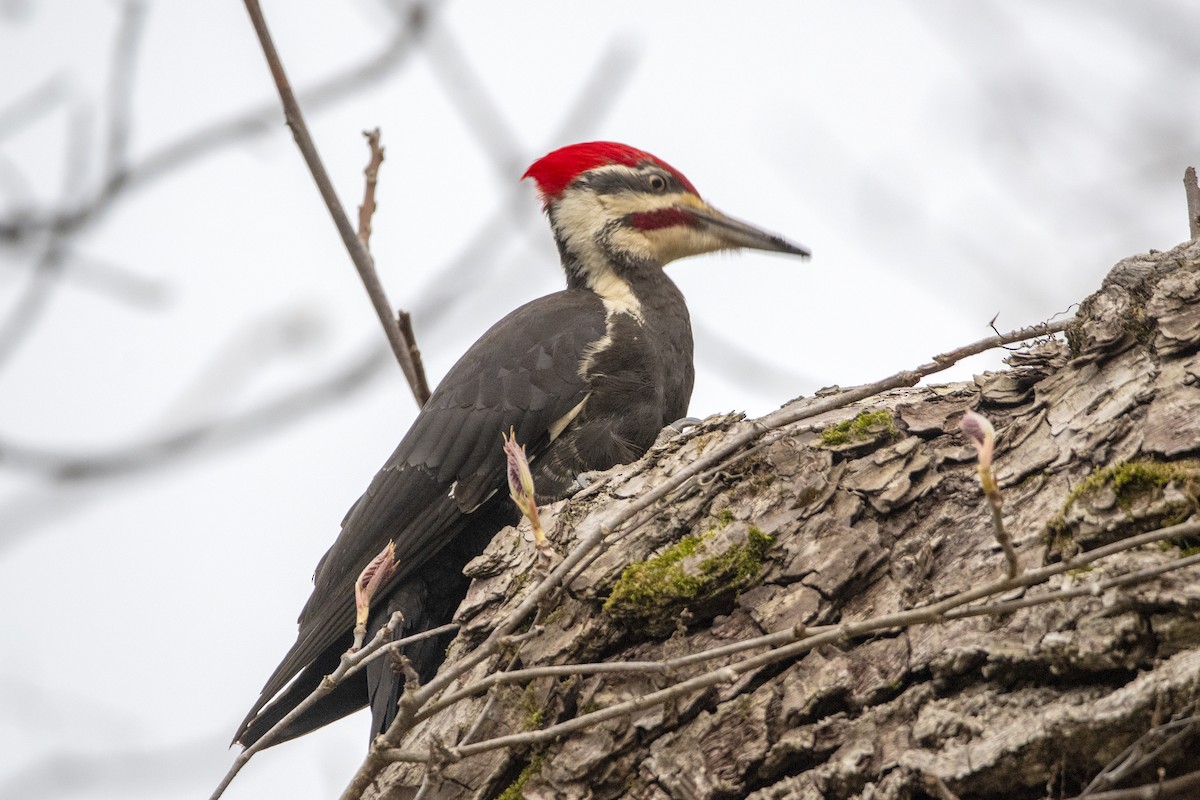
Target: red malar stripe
<point x="662" y="218"/>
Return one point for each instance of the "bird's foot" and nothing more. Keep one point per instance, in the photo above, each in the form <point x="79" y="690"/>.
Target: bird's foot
<point x="683" y="423"/>
<point x="586" y="479"/>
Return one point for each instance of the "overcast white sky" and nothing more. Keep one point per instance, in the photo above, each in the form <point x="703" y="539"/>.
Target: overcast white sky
<point x="946" y="162"/>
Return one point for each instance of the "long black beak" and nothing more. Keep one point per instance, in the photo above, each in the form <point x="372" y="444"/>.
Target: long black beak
<point x="743" y="234"/>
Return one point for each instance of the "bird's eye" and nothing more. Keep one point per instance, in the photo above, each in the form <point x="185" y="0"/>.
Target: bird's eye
<point x="657" y="182"/>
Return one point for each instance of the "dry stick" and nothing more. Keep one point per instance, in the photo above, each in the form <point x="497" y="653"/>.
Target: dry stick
<point x="358" y="252"/>
<point x="371" y="172"/>
<point x="1192" y="189"/>
<point x="591" y="535"/>
<point x="47" y="271"/>
<point x="207" y="139"/>
<point x="351" y="662"/>
<point x="1002" y="537"/>
<point x="1182" y="788"/>
<point x="404" y="319"/>
<point x="366" y="213"/>
<point x="668" y="666"/>
<point x="120" y="88"/>
<point x="1134" y="757"/>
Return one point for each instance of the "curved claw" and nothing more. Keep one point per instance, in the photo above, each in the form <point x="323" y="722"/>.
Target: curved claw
<point x="586" y="479"/>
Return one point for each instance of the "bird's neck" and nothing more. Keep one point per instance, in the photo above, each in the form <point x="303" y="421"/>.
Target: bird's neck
<point x="627" y="282"/>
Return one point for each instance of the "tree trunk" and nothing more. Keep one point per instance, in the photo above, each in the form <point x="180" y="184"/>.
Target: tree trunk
<point x="871" y="510"/>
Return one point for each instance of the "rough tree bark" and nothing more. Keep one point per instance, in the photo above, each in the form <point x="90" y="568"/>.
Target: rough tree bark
<point x="871" y="510"/>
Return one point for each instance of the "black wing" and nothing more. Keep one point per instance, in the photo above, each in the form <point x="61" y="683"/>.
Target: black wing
<point x="524" y="374"/>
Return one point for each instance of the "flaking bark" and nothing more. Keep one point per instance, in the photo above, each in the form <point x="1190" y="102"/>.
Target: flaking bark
<point x="861" y="520"/>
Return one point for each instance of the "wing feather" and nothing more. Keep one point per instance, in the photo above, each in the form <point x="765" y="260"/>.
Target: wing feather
<point x="523" y="373"/>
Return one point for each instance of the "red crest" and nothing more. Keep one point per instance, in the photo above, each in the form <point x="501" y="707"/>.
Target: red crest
<point x="555" y="171"/>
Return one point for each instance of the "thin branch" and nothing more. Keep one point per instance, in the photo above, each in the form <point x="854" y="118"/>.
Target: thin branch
<point x="605" y="667"/>
<point x="358" y="252"/>
<point x="153" y="452"/>
<point x="1135" y="757"/>
<point x="480" y="112"/>
<point x="48" y="268"/>
<point x="366" y="213"/>
<point x="126" y="48"/>
<point x="979" y="431"/>
<point x="367" y="210"/>
<point x="206" y="140"/>
<point x="1088" y="589"/>
<point x="1003" y="539"/>
<point x="1184" y="787"/>
<point x="404" y="320"/>
<point x="393" y="647"/>
<point x="18" y="325"/>
<point x="349" y="663"/>
<point x="115" y="281"/>
<point x="608" y="78"/>
<point x="34" y="104"/>
<point x="1192" y="190"/>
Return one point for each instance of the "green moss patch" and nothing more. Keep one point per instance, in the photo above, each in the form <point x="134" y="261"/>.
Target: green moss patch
<point x="697" y="573"/>
<point x="869" y="426"/>
<point x="1135" y="488"/>
<point x="516" y="789"/>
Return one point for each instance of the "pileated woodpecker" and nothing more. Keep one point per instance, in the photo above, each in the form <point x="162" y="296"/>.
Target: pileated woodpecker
<point x="587" y="377"/>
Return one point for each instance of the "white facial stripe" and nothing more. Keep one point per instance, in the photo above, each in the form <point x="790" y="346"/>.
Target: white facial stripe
<point x="621" y="203"/>
<point x="580" y="217"/>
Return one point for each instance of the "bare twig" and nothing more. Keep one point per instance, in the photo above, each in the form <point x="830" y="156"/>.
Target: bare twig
<point x="474" y="102"/>
<point x="1184" y="787"/>
<point x="606" y="667"/>
<point x="982" y="436"/>
<point x="114" y="280"/>
<point x="611" y="74"/>
<point x="404" y="320"/>
<point x="188" y="439"/>
<point x="371" y="172"/>
<point x="1146" y="748"/>
<point x="34" y="104"/>
<point x="357" y="250"/>
<point x="352" y="660"/>
<point x="120" y="88"/>
<point x="1192" y="190"/>
<point x="203" y="141"/>
<point x="21" y="322"/>
<point x="366" y="212"/>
